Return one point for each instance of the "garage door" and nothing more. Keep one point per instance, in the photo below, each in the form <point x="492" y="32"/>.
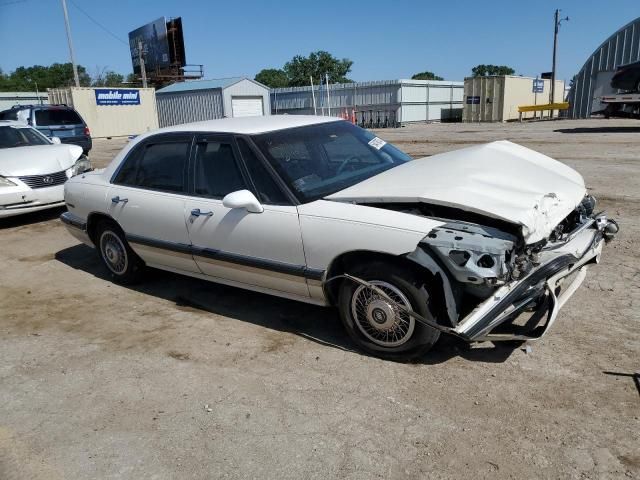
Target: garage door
<point x="246" y="106"/>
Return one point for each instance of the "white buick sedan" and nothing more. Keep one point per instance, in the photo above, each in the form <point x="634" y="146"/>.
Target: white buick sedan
<point x="33" y="169"/>
<point x="485" y="243"/>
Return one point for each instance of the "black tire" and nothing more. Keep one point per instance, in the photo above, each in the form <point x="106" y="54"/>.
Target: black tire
<point x="413" y="338"/>
<point x="122" y="263"/>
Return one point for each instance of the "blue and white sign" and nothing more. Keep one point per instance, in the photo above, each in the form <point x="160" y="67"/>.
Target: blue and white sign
<point x="473" y="100"/>
<point x="117" y="96"/>
<point x="538" y="86"/>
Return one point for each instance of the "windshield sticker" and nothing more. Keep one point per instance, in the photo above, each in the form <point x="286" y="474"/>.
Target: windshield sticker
<point x="377" y="143"/>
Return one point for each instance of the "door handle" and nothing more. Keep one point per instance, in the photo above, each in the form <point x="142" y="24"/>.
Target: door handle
<point x="117" y="199"/>
<point x="197" y="213"/>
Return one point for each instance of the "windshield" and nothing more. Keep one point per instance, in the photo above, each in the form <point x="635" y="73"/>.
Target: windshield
<point x="21" y="137"/>
<point x="319" y="160"/>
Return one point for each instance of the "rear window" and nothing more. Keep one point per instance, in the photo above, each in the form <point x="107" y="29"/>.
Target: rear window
<point x="57" y="117"/>
<point x="9" y="115"/>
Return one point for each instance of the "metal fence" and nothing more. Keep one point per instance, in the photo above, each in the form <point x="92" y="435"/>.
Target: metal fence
<point x="381" y="104"/>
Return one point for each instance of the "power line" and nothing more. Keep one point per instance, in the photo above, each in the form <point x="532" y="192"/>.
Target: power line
<point x="12" y="2"/>
<point x="98" y="23"/>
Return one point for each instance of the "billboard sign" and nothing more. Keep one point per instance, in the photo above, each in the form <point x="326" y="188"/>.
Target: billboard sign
<point x="537" y="86"/>
<point x="176" y="42"/>
<point x="117" y="96"/>
<point x="155" y="47"/>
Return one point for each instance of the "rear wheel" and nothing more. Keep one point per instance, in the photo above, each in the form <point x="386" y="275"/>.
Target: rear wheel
<point x="123" y="264"/>
<point x="376" y="322"/>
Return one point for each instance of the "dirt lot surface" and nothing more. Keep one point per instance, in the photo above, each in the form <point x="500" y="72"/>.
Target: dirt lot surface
<point x="103" y="381"/>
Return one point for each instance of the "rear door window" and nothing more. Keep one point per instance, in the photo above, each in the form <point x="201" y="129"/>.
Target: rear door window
<point x="63" y="116"/>
<point x="157" y="166"/>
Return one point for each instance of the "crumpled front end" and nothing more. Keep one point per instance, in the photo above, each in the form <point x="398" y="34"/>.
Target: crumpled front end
<point x="505" y="289"/>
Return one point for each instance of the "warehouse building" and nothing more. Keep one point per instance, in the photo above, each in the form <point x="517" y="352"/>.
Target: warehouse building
<point x="497" y="98"/>
<point x="199" y="100"/>
<point x="11" y="99"/>
<point x="111" y="112"/>
<point x="593" y="80"/>
<point x="375" y="104"/>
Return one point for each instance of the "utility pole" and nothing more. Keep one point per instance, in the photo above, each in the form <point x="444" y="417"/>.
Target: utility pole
<point x="73" y="60"/>
<point x="313" y="96"/>
<point x="556" y="27"/>
<point x="143" y="71"/>
<point x="328" y="98"/>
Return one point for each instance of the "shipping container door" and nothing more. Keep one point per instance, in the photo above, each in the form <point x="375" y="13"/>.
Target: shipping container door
<point x="247" y="106"/>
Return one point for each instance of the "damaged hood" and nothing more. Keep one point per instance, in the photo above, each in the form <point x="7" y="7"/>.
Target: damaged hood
<point x="500" y="179"/>
<point x="37" y="159"/>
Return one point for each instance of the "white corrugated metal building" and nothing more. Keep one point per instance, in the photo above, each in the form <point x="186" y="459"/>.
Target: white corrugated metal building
<point x="497" y="98"/>
<point x="197" y="100"/>
<point x="10" y="99"/>
<point x="379" y="103"/>
<point x="593" y="80"/>
<point x="111" y="112"/>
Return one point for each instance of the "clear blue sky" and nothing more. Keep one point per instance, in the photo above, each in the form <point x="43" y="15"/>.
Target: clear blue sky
<point x="385" y="39"/>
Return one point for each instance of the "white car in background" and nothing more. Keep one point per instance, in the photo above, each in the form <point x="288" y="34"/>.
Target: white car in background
<point x="34" y="168"/>
<point x="485" y="243"/>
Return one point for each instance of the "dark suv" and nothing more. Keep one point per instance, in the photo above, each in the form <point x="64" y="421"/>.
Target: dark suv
<point x="627" y="77"/>
<point x="53" y="121"/>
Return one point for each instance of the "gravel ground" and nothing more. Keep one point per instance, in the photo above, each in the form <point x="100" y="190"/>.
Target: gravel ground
<point x="103" y="381"/>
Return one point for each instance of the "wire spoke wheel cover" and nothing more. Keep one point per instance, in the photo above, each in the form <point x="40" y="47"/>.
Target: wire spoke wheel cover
<point x="113" y="252"/>
<point x="380" y="320"/>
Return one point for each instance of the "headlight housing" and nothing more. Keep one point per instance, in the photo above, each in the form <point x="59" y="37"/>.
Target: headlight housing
<point x="5" y="182"/>
<point x="83" y="164"/>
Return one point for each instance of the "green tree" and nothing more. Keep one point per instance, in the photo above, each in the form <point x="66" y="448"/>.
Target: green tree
<point x="53" y="76"/>
<point x="108" y="79"/>
<point x="272" y="77"/>
<point x="316" y="65"/>
<point x="132" y="78"/>
<point x="426" y="76"/>
<point x="489" y="70"/>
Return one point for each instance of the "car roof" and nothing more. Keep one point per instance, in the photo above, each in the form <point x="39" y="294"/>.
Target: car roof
<point x="47" y="106"/>
<point x="632" y="64"/>
<point x="13" y="123"/>
<point x="249" y="125"/>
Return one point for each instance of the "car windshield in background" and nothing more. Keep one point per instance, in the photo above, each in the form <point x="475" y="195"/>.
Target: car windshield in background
<point x="319" y="160"/>
<point x="20" y="137"/>
<point x="53" y="116"/>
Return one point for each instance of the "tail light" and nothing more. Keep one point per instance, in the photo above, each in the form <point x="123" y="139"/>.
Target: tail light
<point x="87" y="132"/>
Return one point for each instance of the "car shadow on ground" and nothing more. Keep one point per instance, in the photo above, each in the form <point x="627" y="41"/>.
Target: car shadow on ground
<point x="599" y="130"/>
<point x="318" y="324"/>
<point x="25" y="219"/>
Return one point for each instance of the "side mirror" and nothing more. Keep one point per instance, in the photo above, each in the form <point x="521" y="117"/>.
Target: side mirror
<point x="55" y="140"/>
<point x="243" y="199"/>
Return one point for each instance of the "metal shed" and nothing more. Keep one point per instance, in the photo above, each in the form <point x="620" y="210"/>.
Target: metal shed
<point x="198" y="100"/>
<point x="11" y="99"/>
<point x="376" y="104"/>
<point x="593" y="79"/>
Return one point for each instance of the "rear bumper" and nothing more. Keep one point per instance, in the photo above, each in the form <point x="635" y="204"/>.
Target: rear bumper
<point x="76" y="227"/>
<point x="549" y="287"/>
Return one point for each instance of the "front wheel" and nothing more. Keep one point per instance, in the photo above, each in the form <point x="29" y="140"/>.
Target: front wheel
<point x="122" y="262"/>
<point x="376" y="323"/>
